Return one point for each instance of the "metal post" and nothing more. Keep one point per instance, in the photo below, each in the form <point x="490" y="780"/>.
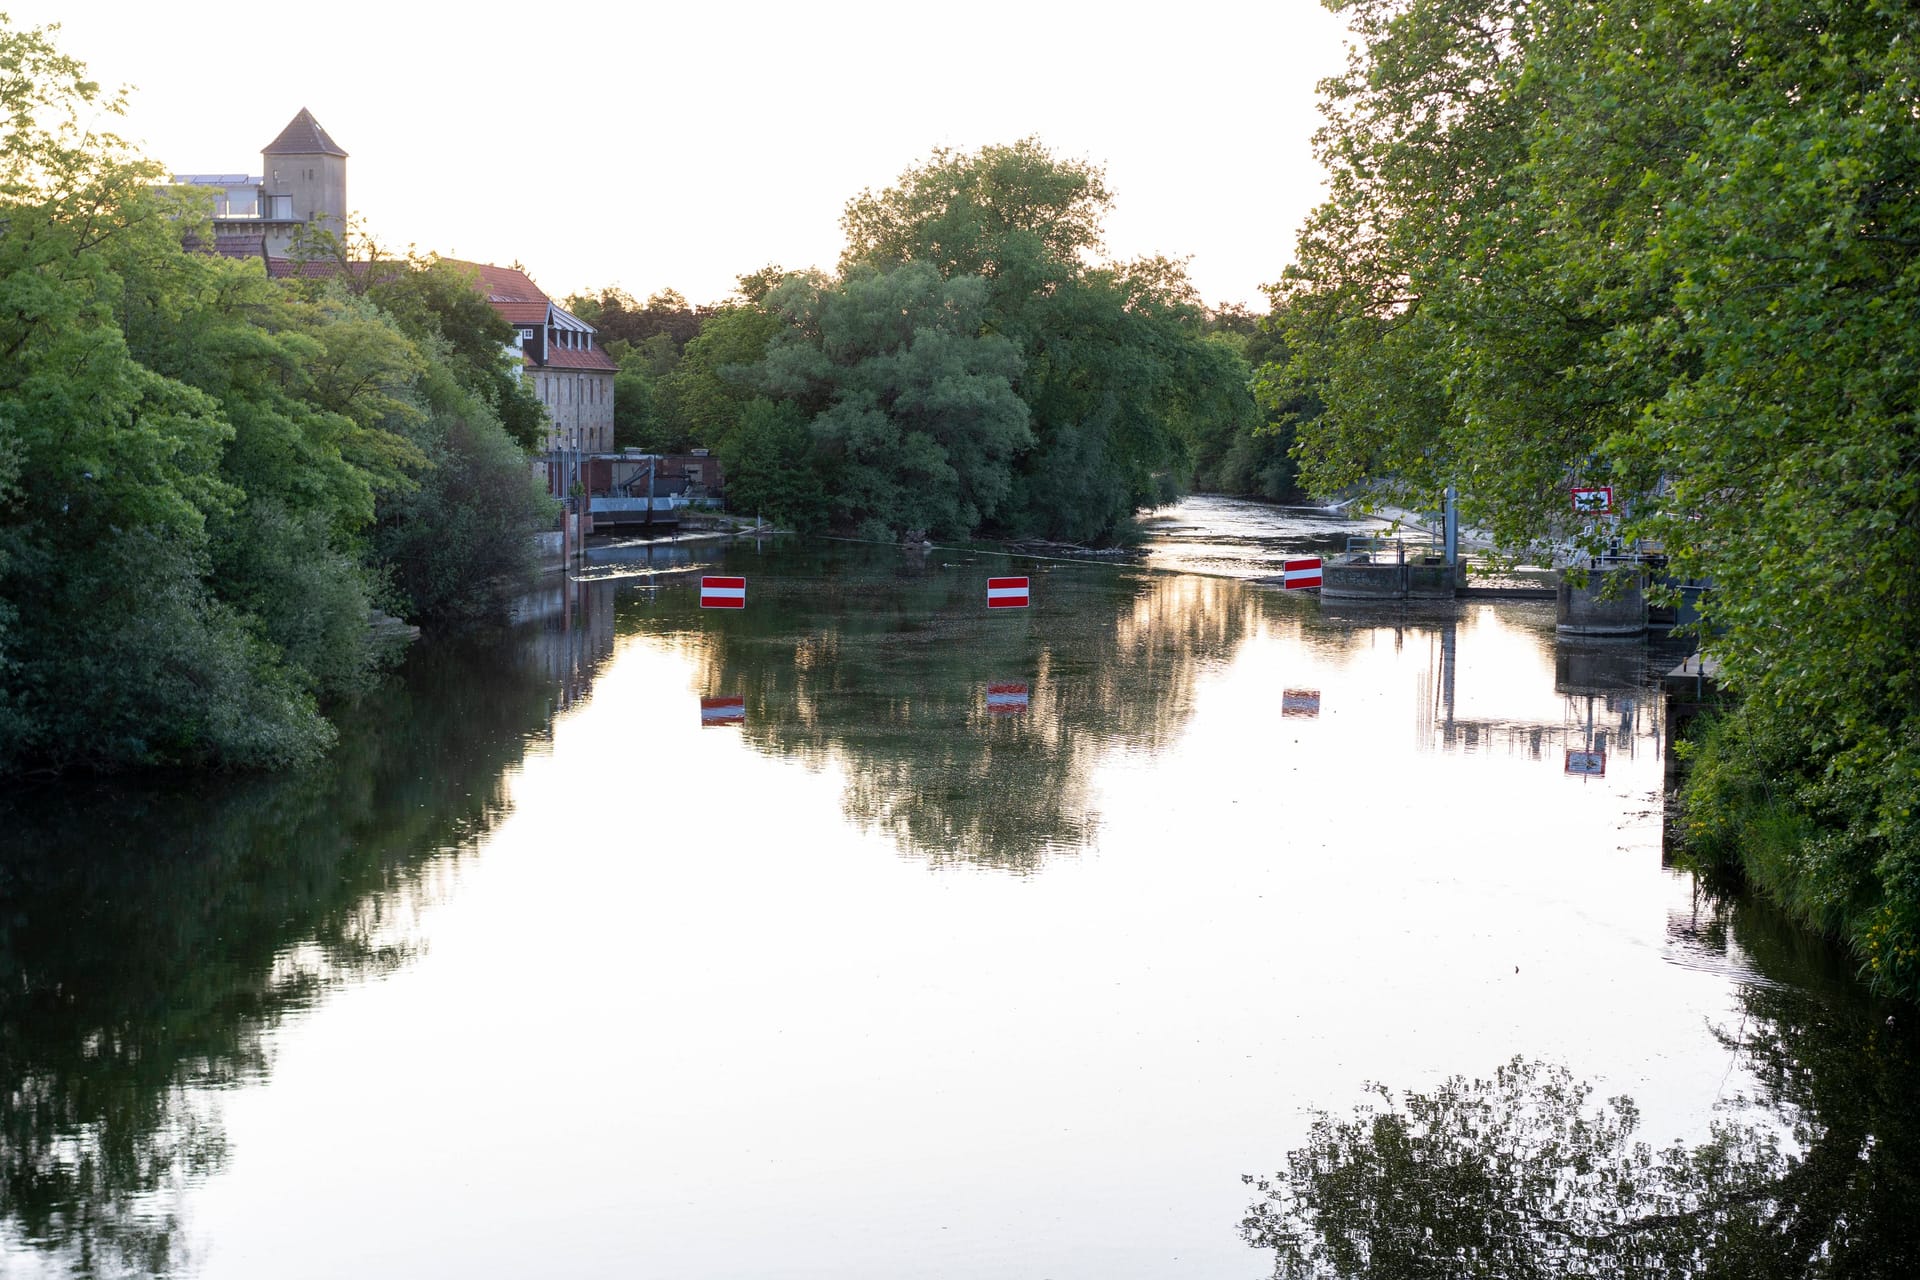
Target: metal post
<point x="1453" y="527"/>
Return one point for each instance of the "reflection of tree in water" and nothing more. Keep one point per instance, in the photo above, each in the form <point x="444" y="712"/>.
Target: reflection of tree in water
<point x="878" y="661"/>
<point x="1522" y="1176"/>
<point x="152" y="937"/>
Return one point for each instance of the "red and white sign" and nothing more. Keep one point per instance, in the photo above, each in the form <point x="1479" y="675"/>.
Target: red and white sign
<point x="1587" y="764"/>
<point x="1007" y="699"/>
<point x="1300" y="702"/>
<point x="1594" y="502"/>
<point x="723" y="593"/>
<point x="1006" y="593"/>
<point x="1298" y="574"/>
<point x="723" y="710"/>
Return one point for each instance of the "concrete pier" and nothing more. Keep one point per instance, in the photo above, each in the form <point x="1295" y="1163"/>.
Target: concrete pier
<point x="1613" y="602"/>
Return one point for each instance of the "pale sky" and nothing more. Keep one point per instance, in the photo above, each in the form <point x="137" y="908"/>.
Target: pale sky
<point x="645" y="145"/>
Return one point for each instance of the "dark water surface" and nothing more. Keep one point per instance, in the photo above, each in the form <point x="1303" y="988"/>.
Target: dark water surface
<point x="905" y="973"/>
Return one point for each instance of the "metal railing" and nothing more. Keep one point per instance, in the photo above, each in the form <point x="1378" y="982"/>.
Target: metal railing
<point x="1383" y="550"/>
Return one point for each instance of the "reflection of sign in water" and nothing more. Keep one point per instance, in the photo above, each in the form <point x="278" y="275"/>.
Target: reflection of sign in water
<point x="1298" y="574"/>
<point x="1300" y="702"/>
<point x="1593" y="501"/>
<point x="723" y="593"/>
<point x="723" y="710"/>
<point x="1006" y="593"/>
<point x="1587" y="764"/>
<point x="1006" y="699"/>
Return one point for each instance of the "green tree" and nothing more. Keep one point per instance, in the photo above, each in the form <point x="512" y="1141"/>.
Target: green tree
<point x="1670" y="247"/>
<point x="708" y="390"/>
<point x="115" y="648"/>
<point x="1116" y="375"/>
<point x="913" y="407"/>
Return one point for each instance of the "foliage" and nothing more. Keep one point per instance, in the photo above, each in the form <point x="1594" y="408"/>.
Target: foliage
<point x="1519" y="1176"/>
<point x="455" y="542"/>
<point x="771" y="468"/>
<point x="914" y="415"/>
<point x="192" y="455"/>
<point x="1674" y="248"/>
<point x="1014" y="215"/>
<point x="971" y="368"/>
<point x="708" y="389"/>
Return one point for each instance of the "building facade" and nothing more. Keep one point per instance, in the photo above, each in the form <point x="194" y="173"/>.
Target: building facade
<point x="301" y="186"/>
<point x="559" y="356"/>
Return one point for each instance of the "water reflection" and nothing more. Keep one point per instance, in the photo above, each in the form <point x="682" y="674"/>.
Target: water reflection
<point x="872" y="661"/>
<point x="787" y="1014"/>
<point x="884" y="666"/>
<point x="1523" y="1174"/>
<point x="154" y="935"/>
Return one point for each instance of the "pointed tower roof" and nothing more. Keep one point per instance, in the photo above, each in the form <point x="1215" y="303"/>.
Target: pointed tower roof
<point x="303" y="136"/>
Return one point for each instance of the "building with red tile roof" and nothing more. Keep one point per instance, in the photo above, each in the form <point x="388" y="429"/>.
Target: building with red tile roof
<point x="303" y="186"/>
<point x="560" y="357"/>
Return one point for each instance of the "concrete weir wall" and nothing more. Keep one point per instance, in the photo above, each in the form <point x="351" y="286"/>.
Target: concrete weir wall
<point x="1410" y="581"/>
<point x="1612" y="603"/>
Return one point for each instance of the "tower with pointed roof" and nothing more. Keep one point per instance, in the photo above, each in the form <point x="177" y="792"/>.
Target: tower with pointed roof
<point x="304" y="174"/>
<point x="302" y="184"/>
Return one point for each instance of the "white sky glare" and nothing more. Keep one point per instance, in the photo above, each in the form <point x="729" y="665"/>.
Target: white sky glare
<point x="648" y="146"/>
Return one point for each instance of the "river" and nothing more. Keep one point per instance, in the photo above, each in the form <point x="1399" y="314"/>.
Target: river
<point x="866" y="932"/>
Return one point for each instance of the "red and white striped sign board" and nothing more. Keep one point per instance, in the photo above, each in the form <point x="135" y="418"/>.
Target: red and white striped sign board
<point x="1007" y="699"/>
<point x="723" y="593"/>
<point x="1297" y="574"/>
<point x="1300" y="702"/>
<point x="723" y="710"/>
<point x="1006" y="593"/>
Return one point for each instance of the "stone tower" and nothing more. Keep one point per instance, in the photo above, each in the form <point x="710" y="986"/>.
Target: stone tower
<point x="303" y="181"/>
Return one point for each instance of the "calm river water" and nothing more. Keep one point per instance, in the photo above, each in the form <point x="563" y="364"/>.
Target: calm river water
<point x="978" y="944"/>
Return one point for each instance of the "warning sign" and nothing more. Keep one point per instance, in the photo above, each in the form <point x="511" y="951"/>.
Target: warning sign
<point x="1006" y="593"/>
<point x="1587" y="764"/>
<point x="723" y="593"/>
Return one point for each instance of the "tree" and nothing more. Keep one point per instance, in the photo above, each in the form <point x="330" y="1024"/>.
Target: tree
<point x="115" y="648"/>
<point x="914" y="412"/>
<point x="1518" y="1176"/>
<point x="1115" y="372"/>
<point x="1664" y="246"/>
<point x="1014" y="214"/>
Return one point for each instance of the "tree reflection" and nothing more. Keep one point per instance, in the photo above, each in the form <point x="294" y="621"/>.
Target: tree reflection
<point x="1523" y="1175"/>
<point x="152" y="936"/>
<point x="877" y="662"/>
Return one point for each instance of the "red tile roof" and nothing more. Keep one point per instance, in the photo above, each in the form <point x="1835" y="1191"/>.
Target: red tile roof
<point x="519" y="314"/>
<point x="567" y="358"/>
<point x="303" y="136"/>
<point x="503" y="284"/>
<point x="287" y="268"/>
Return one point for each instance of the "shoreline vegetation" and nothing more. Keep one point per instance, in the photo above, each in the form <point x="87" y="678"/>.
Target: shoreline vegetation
<point x="1658" y="247"/>
<point x="211" y="481"/>
<point x="1672" y="249"/>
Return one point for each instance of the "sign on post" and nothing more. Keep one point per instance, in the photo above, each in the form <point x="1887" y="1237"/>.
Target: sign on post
<point x="1295" y="575"/>
<point x="1006" y="593"/>
<point x="1594" y="502"/>
<point x="1586" y="764"/>
<point x="727" y="709"/>
<point x="723" y="593"/>
<point x="1007" y="699"/>
<point x="1300" y="702"/>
